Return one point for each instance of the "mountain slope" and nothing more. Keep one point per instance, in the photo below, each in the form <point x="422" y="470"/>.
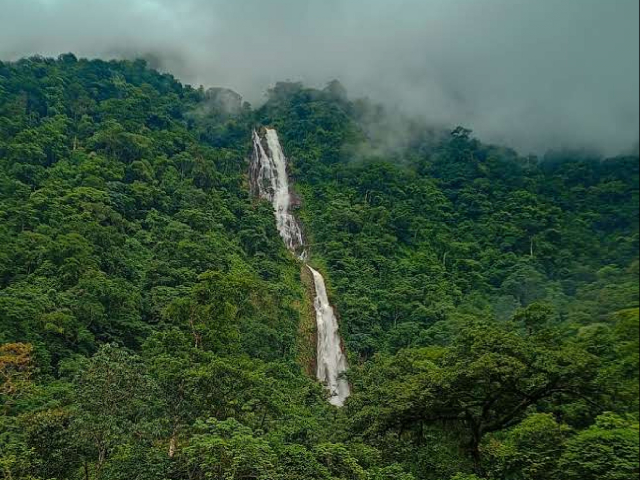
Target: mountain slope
<point x="488" y="301"/>
<point x="457" y="224"/>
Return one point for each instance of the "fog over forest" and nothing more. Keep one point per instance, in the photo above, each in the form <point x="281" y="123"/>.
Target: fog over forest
<point x="531" y="74"/>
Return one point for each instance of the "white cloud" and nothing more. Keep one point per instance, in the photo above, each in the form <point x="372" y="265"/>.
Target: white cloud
<point x="532" y="74"/>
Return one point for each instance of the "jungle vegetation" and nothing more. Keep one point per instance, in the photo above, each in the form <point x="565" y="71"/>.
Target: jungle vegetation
<point x="151" y="320"/>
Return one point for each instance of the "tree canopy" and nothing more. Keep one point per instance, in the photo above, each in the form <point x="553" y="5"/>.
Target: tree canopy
<point x="153" y="325"/>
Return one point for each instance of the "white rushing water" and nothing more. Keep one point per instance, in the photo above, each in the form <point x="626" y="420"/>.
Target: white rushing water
<point x="270" y="180"/>
<point x="270" y="175"/>
<point x="332" y="362"/>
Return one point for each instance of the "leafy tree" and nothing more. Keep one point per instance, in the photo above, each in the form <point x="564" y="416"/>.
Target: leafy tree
<point x="529" y="451"/>
<point x="16" y="370"/>
<point x="483" y="384"/>
<point x="608" y="450"/>
<point x="228" y="450"/>
<point x="101" y="419"/>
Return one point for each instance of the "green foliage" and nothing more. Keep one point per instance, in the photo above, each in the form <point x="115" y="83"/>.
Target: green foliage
<point x="529" y="451"/>
<point x="484" y="383"/>
<point x="134" y="461"/>
<point x="608" y="450"/>
<point x="473" y="285"/>
<point x="408" y="235"/>
<point x="151" y="319"/>
<point x="228" y="450"/>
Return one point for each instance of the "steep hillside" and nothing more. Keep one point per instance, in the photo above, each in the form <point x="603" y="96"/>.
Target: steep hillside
<point x="417" y="236"/>
<point x="151" y="316"/>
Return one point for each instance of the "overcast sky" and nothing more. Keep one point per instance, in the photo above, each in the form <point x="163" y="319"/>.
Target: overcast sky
<point x="533" y="74"/>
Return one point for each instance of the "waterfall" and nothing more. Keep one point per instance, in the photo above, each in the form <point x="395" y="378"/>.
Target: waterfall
<point x="270" y="180"/>
<point x="332" y="362"/>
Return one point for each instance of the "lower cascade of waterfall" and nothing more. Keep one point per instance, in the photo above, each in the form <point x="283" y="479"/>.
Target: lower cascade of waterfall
<point x="332" y="362"/>
<point x="270" y="180"/>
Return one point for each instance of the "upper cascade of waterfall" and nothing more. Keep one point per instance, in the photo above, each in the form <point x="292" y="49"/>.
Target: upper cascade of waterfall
<point x="270" y="180"/>
<point x="332" y="362"/>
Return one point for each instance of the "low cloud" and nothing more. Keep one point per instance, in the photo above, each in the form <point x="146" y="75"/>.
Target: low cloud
<point x="531" y="74"/>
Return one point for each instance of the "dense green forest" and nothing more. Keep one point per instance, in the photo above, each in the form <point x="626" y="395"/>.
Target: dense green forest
<point x="154" y="327"/>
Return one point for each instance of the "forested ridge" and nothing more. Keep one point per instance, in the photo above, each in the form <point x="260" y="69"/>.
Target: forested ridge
<point x="153" y="325"/>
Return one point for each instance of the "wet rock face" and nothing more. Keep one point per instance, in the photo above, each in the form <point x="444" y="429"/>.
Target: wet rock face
<point x="224" y="100"/>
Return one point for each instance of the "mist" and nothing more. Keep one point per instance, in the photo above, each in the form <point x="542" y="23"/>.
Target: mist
<point x="531" y="74"/>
